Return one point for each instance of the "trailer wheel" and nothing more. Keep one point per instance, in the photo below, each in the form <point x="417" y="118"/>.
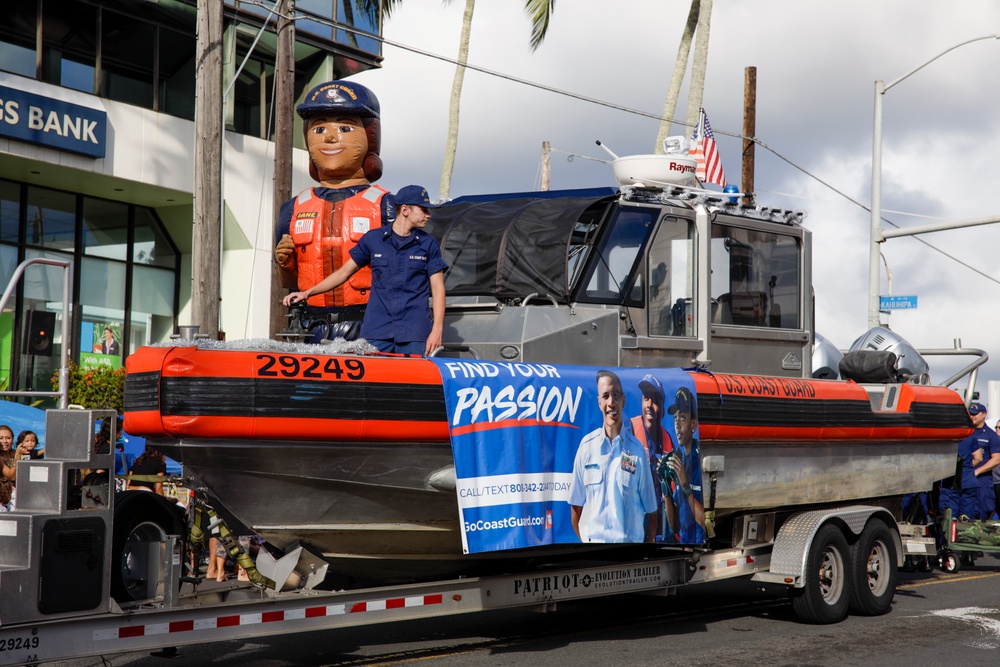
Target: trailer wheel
<point x="873" y="570"/>
<point x="140" y="518"/>
<point x="826" y="594"/>
<point x="950" y="562"/>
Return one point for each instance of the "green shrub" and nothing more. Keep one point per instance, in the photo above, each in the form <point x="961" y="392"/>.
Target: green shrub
<point x="100" y="388"/>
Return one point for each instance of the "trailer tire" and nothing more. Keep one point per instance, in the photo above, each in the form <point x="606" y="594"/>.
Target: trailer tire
<point x="826" y="595"/>
<point x="140" y="517"/>
<point x="873" y="570"/>
<point x="950" y="562"/>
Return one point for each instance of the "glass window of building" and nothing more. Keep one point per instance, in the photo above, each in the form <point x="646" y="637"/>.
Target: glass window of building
<point x="17" y="39"/>
<point x="10" y="211"/>
<point x="151" y="246"/>
<point x="125" y="291"/>
<point x="356" y="22"/>
<point x="360" y="21"/>
<point x="176" y="74"/>
<point x="255" y="84"/>
<point x="102" y="308"/>
<point x="152" y="319"/>
<point x="105" y="228"/>
<point x="8" y="262"/>
<point x="128" y="59"/>
<point x="69" y="44"/>
<point x="51" y="219"/>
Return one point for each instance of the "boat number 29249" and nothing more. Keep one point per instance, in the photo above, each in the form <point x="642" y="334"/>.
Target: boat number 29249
<point x="309" y="367"/>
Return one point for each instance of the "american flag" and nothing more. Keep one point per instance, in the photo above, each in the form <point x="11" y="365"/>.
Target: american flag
<point x="703" y="149"/>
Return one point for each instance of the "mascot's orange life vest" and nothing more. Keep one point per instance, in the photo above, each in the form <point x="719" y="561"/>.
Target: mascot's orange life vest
<point x="324" y="233"/>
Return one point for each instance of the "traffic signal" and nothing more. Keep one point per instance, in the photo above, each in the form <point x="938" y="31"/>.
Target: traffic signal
<point x="41" y="327"/>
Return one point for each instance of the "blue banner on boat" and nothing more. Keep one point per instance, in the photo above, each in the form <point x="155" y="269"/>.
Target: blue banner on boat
<point x="548" y="454"/>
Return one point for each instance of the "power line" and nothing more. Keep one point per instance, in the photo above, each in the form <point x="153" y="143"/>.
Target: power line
<point x="617" y="107"/>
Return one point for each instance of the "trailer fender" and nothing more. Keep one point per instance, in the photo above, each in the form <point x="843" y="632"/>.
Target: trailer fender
<point x="795" y="537"/>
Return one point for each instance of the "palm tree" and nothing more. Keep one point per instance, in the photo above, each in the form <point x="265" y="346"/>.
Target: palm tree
<point x="451" y="145"/>
<point x="698" y="23"/>
<point x="540" y="11"/>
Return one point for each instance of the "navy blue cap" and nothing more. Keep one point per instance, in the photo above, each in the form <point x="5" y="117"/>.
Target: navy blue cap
<point x="976" y="408"/>
<point x="650" y="385"/>
<point x="344" y="96"/>
<point x="683" y="402"/>
<point x="414" y="195"/>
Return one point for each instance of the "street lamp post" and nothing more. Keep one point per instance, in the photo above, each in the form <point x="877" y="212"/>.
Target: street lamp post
<point x="876" y="207"/>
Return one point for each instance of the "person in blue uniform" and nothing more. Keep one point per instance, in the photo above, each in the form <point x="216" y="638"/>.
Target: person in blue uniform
<point x="996" y="480"/>
<point x="963" y="501"/>
<point x="612" y="495"/>
<point x="684" y="507"/>
<point x="407" y="269"/>
<point x="987" y="440"/>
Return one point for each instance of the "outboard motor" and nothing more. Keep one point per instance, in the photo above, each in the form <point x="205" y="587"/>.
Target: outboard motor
<point x="909" y="364"/>
<point x="825" y="359"/>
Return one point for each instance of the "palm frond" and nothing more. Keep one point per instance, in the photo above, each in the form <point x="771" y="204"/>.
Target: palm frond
<point x="539" y="11"/>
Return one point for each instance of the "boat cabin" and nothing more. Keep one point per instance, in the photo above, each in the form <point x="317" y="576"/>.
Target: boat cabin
<point x="640" y="276"/>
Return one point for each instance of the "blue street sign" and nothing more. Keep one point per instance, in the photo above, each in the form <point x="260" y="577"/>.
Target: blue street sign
<point x="897" y="302"/>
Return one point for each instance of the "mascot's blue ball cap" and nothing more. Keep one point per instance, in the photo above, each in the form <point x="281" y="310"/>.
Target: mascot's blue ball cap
<point x="344" y="96"/>
<point x="413" y="195"/>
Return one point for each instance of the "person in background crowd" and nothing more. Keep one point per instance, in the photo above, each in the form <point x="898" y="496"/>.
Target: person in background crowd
<point x="8" y="458"/>
<point x="996" y="481"/>
<point x="150" y="462"/>
<point x="27" y="442"/>
<point x="6" y="495"/>
<point x="960" y="493"/>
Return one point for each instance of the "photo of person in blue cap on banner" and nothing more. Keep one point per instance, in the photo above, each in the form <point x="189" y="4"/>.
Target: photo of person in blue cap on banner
<point x="684" y="508"/>
<point x="648" y="429"/>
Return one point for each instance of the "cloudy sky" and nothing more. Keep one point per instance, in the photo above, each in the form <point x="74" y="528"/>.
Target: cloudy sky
<point x="816" y="66"/>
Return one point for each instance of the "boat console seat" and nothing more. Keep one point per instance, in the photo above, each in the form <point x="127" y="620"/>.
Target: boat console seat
<point x="742" y="308"/>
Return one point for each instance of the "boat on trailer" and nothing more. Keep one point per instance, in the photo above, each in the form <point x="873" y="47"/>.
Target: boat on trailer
<point x="350" y="454"/>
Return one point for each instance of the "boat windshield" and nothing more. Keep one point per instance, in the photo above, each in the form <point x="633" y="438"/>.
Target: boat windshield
<point x="610" y="271"/>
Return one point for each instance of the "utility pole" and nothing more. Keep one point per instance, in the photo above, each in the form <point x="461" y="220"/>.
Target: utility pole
<point x="207" y="228"/>
<point x="546" y="166"/>
<point x="749" y="131"/>
<point x="284" y="123"/>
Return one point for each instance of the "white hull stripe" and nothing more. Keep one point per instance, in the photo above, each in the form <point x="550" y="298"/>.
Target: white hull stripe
<point x="235" y="620"/>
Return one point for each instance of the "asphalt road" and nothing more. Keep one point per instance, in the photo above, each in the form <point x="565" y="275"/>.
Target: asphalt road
<point x="937" y="618"/>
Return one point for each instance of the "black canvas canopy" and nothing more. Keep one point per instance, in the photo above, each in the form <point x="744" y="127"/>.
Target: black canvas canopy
<point x="511" y="248"/>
